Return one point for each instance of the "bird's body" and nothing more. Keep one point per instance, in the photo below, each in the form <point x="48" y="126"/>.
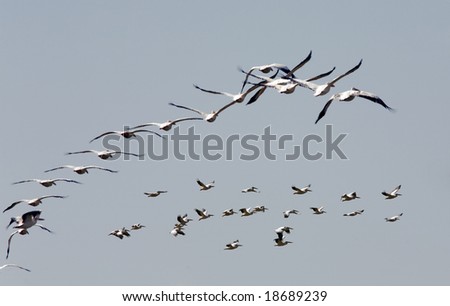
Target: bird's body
<point x="203" y="214"/>
<point x="106" y="154"/>
<point x="281" y="242"/>
<point x="183" y="220"/>
<point x="47" y="183"/>
<point x="302" y="190"/>
<point x="349" y="196"/>
<point x="81" y="169"/>
<point x="289" y="212"/>
<point x="233" y="245"/>
<point x="120" y="233"/>
<point x="177" y="230"/>
<point x="154" y="193"/>
<point x="245" y="212"/>
<point x="393" y="194"/>
<point x="354" y="213"/>
<point x="204" y="187"/>
<point x="283" y="229"/>
<point x="228" y="212"/>
<point x="34" y="202"/>
<point x="393" y="218"/>
<point x="260" y="208"/>
<point x="250" y="189"/>
<point x="137" y="226"/>
<point x="318" y="210"/>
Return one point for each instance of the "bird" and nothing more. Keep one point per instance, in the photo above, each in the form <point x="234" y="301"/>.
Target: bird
<point x="393" y="194"/>
<point x="14" y="266"/>
<point x="81" y="169"/>
<point x="354" y="213"/>
<point x="48" y="183"/>
<point x="250" y="189"/>
<point x="28" y="220"/>
<point x="137" y="226"/>
<point x="154" y="193"/>
<point x="235" y="98"/>
<point x="228" y="212"/>
<point x="318" y="210"/>
<point x="281" y="242"/>
<point x="177" y="230"/>
<point x="394" y="218"/>
<point x="204" y="187"/>
<point x="183" y="220"/>
<point x="245" y="212"/>
<point x="291" y="211"/>
<point x="283" y="229"/>
<point x="232" y="245"/>
<point x="349" y="196"/>
<point x="166" y="126"/>
<point x="301" y="190"/>
<point x="120" y="233"/>
<point x="20" y="231"/>
<point x="126" y="134"/>
<point x="208" y="117"/>
<point x="348" y="96"/>
<point x="35" y="201"/>
<point x="261" y="208"/>
<point x="320" y="90"/>
<point x="203" y="214"/>
<point x="106" y="154"/>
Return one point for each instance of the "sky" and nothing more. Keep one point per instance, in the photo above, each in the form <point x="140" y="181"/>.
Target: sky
<point x="71" y="71"/>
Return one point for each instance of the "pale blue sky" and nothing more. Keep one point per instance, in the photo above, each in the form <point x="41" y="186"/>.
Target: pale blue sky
<point x="73" y="70"/>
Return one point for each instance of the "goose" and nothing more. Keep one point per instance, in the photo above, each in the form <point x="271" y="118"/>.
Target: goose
<point x="47" y="183"/>
<point x="349" y="196"/>
<point x="81" y="169"/>
<point x="349" y="95"/>
<point x="281" y="242"/>
<point x="233" y="245"/>
<point x="318" y="210"/>
<point x="203" y="214"/>
<point x="261" y="208"/>
<point x="20" y="231"/>
<point x="126" y="134"/>
<point x="177" y="230"/>
<point x="154" y="193"/>
<point x="183" y="220"/>
<point x="245" y="212"/>
<point x="137" y="226"/>
<point x="354" y="213"/>
<point x="208" y="117"/>
<point x="106" y="154"/>
<point x="167" y="126"/>
<point x="394" y="218"/>
<point x="34" y="202"/>
<point x="120" y="233"/>
<point x="301" y="190"/>
<point x="320" y="90"/>
<point x="204" y="187"/>
<point x="283" y="229"/>
<point x="290" y="211"/>
<point x="393" y="194"/>
<point x="228" y="212"/>
<point x="250" y="189"/>
<point x="14" y="266"/>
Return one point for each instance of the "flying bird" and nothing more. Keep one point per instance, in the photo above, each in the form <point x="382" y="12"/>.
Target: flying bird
<point x="283" y="229"/>
<point x="28" y="220"/>
<point x="35" y="201"/>
<point x="354" y="213"/>
<point x="14" y="266"/>
<point x="137" y="226"/>
<point x="48" y="183"/>
<point x="183" y="220"/>
<point x="290" y="211"/>
<point x="318" y="210"/>
<point x="154" y="193"/>
<point x="208" y="117"/>
<point x="261" y="208"/>
<point x="349" y="95"/>
<point x="349" y="196"/>
<point x="233" y="245"/>
<point x="106" y="154"/>
<point x="127" y="133"/>
<point x="120" y="233"/>
<point x="203" y="214"/>
<point x="250" y="189"/>
<point x="81" y="169"/>
<point x="228" y="212"/>
<point x="177" y="230"/>
<point x="301" y="190"/>
<point x="394" y="218"/>
<point x="204" y="187"/>
<point x="167" y="126"/>
<point x="245" y="212"/>
<point x="281" y="242"/>
<point x="20" y="231"/>
<point x="393" y="194"/>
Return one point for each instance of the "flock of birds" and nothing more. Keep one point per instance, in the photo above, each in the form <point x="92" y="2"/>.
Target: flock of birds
<point x="285" y="84"/>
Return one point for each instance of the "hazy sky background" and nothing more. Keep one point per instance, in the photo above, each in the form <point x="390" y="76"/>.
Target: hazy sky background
<point x="73" y="70"/>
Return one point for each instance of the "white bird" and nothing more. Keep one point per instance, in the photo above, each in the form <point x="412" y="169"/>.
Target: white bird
<point x="318" y="210"/>
<point x="261" y="208"/>
<point x="349" y="95"/>
<point x="283" y="229"/>
<point x="126" y="133"/>
<point x="183" y="220"/>
<point x="354" y="213"/>
<point x="34" y="202"/>
<point x="235" y="98"/>
<point x="154" y="193"/>
<point x="393" y="194"/>
<point x="349" y="196"/>
<point x="28" y="220"/>
<point x="14" y="266"/>
<point x="120" y="233"/>
<point x="290" y="211"/>
<point x="167" y="126"/>
<point x="250" y="189"/>
<point x="208" y="117"/>
<point x="281" y="242"/>
<point x="177" y="230"/>
<point x="394" y="218"/>
<point x="245" y="212"/>
<point x="233" y="245"/>
<point x="48" y="183"/>
<point x="20" y="231"/>
<point x="81" y="169"/>
<point x="204" y="187"/>
<point x="137" y="226"/>
<point x="228" y="212"/>
<point x="301" y="190"/>
<point x="320" y="90"/>
<point x="106" y="154"/>
<point x="203" y="214"/>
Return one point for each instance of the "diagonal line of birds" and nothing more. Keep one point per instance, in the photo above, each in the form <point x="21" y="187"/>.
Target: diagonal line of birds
<point x="286" y="83"/>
